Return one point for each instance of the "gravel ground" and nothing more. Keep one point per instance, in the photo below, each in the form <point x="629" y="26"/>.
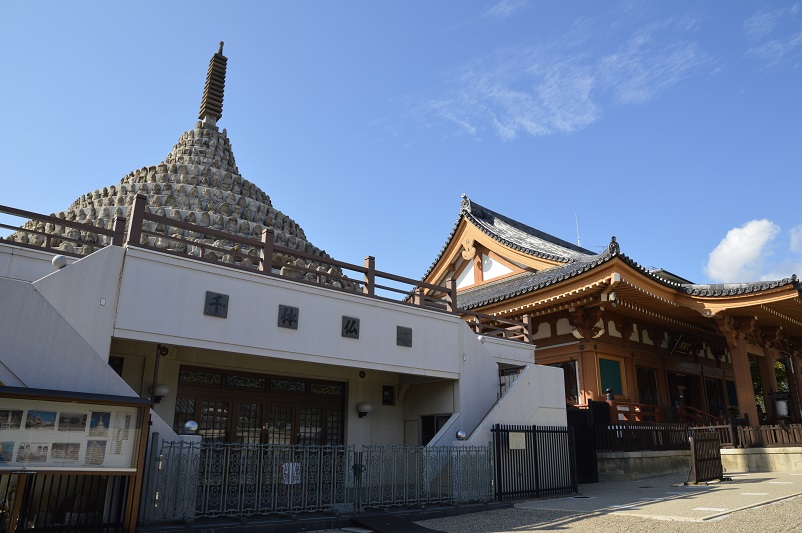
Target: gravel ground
<point x="785" y="515"/>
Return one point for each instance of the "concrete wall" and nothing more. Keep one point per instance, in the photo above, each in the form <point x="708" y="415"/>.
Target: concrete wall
<point x="762" y="460"/>
<point x="536" y="398"/>
<point x="632" y="466"/>
<point x="162" y="300"/>
<point x="44" y="351"/>
<point x="25" y="264"/>
<point x="85" y="294"/>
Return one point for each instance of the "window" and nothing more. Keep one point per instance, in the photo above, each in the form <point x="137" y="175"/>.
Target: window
<point x="610" y="372"/>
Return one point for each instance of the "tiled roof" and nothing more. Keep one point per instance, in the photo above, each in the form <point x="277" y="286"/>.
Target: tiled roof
<point x="510" y="287"/>
<point x="515" y="235"/>
<point x="732" y="289"/>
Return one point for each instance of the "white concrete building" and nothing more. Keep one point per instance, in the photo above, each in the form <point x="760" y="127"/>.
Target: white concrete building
<point x="258" y="341"/>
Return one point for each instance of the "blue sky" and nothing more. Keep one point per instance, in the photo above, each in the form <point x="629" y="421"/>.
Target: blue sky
<point x="674" y="126"/>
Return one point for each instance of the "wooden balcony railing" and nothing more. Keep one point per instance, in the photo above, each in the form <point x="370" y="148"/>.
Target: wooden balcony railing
<point x="61" y="235"/>
<point x="146" y="229"/>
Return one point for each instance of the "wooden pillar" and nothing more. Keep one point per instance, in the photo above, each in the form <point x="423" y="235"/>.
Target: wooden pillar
<point x="589" y="378"/>
<point x="768" y="381"/>
<point x="266" y="253"/>
<point x="451" y="295"/>
<point x="137" y="216"/>
<point x="118" y="239"/>
<point x="743" y="382"/>
<point x="740" y="367"/>
<point x="369" y="287"/>
<point x="794" y="386"/>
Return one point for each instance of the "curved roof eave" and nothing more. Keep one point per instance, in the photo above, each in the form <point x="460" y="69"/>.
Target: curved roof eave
<point x="515" y="286"/>
<point x="552" y="248"/>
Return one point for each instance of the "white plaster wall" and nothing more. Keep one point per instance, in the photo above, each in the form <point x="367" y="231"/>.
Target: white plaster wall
<point x="536" y="398"/>
<point x="477" y="389"/>
<point x="44" y="351"/>
<point x="162" y="299"/>
<point x="85" y="295"/>
<point x="492" y="269"/>
<point x="466" y="277"/>
<point x="25" y="264"/>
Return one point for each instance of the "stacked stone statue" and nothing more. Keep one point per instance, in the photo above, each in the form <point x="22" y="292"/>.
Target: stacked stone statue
<point x="197" y="183"/>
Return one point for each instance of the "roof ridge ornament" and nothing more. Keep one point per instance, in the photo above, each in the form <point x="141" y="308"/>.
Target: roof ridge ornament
<point x="613" y="247"/>
<point x="211" y="109"/>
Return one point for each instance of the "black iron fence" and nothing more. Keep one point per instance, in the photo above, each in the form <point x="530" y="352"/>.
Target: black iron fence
<point x="641" y="436"/>
<point x="533" y="461"/>
<point x="62" y="502"/>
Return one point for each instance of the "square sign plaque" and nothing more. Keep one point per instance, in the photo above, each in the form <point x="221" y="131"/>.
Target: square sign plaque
<point x="216" y="305"/>
<point x="350" y="327"/>
<point x="403" y="336"/>
<point x="288" y="316"/>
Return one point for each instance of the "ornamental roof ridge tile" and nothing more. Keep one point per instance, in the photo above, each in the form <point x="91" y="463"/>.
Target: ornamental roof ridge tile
<point x="520" y="236"/>
<point x="733" y="289"/>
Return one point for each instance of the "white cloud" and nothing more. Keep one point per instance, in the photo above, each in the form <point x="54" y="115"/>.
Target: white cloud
<point x="761" y="24"/>
<point x="638" y="72"/>
<point x="775" y="35"/>
<point x="740" y="255"/>
<point x="796" y="240"/>
<point x="553" y="89"/>
<point x="505" y="8"/>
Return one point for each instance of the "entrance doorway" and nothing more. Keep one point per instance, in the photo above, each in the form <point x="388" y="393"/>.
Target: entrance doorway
<point x="260" y="409"/>
<point x="685" y="390"/>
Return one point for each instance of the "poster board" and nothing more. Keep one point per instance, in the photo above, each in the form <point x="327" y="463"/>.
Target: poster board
<point x="75" y="434"/>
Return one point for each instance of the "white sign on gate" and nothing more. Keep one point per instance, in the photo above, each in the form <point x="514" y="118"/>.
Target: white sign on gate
<point x="517" y="440"/>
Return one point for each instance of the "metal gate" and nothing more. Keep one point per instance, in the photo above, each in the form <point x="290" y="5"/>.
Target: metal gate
<point x="193" y="480"/>
<point x="582" y="422"/>
<point x="533" y="461"/>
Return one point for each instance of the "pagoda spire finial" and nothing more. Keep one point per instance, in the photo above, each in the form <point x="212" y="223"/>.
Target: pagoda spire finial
<point x="212" y="103"/>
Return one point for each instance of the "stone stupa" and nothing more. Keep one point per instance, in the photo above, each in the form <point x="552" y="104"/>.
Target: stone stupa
<point x="198" y="183"/>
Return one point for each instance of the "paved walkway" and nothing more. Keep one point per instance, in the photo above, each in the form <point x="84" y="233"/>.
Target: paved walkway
<point x="659" y="505"/>
<point x="667" y="498"/>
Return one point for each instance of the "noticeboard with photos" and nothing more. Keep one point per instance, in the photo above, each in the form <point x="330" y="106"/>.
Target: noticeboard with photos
<point x="87" y="432"/>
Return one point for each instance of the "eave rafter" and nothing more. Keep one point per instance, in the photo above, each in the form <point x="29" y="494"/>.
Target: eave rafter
<point x="664" y="318"/>
<point x="581" y="295"/>
<point x="651" y="294"/>
<point x="782" y="315"/>
<point x="708" y="306"/>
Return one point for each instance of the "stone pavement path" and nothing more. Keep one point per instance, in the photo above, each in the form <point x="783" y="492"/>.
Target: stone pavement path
<point x="750" y="503"/>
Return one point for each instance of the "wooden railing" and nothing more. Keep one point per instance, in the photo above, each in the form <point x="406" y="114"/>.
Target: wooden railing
<point x="492" y="326"/>
<point x="86" y="236"/>
<point x="253" y="254"/>
<point x="697" y="417"/>
<point x="770" y="436"/>
<point x="639" y="412"/>
<point x="623" y="411"/>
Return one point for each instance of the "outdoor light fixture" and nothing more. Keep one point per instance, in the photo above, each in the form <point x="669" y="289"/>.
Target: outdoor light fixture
<point x="59" y="262"/>
<point x="363" y="409"/>
<point x="160" y="391"/>
<point x="613" y="299"/>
